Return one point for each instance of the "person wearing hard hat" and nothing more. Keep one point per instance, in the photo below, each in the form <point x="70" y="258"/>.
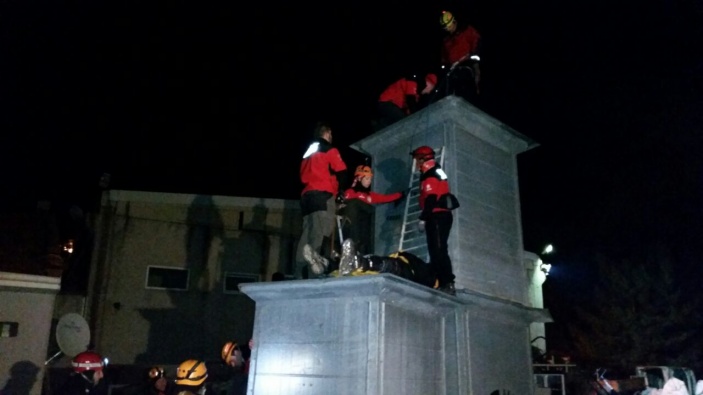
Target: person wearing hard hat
<point x="155" y="383"/>
<point x="436" y="202"/>
<point x="402" y="98"/>
<point x="359" y="209"/>
<point x="233" y="356"/>
<point x="460" y="55"/>
<point x="88" y="377"/>
<point x="190" y="378"/>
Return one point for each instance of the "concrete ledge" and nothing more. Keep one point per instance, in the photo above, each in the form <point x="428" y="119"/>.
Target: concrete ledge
<point x="9" y="281"/>
<point x="382" y="334"/>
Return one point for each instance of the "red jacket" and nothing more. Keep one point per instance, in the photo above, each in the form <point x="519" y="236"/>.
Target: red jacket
<point x="397" y="92"/>
<point x="371" y="197"/>
<point x="459" y="44"/>
<point x="433" y="181"/>
<point x="318" y="169"/>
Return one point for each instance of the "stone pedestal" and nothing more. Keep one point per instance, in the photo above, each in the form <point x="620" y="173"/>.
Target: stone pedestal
<point x="384" y="335"/>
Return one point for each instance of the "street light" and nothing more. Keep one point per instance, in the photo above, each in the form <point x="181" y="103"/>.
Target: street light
<point x="545" y="267"/>
<point x="548" y="249"/>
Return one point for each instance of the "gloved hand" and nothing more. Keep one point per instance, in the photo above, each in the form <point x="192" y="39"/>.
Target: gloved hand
<point x="421" y="226"/>
<point x="400" y="200"/>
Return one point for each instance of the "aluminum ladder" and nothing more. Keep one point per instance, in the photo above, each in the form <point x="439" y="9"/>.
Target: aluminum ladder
<point x="411" y="239"/>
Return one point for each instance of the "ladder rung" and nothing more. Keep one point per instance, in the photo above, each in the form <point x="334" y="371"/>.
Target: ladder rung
<point x="415" y="248"/>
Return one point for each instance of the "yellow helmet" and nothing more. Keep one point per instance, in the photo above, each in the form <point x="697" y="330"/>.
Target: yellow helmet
<point x="228" y="351"/>
<point x="446" y="18"/>
<point x="191" y="372"/>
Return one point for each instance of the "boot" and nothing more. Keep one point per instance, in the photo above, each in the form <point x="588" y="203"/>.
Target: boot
<point x="349" y="261"/>
<point x="448" y="289"/>
<point x="318" y="264"/>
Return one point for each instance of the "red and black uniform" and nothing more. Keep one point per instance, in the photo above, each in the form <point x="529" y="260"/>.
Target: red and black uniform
<point x="359" y="214"/>
<point x="398" y="93"/>
<point x="462" y="43"/>
<point x="461" y="48"/>
<point x="436" y="203"/>
<point x="396" y="102"/>
<point x="323" y="174"/>
<point x="322" y="168"/>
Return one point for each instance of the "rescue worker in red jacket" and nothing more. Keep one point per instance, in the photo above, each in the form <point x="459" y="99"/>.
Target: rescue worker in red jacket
<point x="436" y="202"/>
<point x="323" y="174"/>
<point x="402" y="98"/>
<point x="358" y="211"/>
<point x="88" y="376"/>
<point x="460" y="55"/>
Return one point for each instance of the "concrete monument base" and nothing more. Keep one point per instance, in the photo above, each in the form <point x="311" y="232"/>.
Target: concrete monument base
<point x="383" y="335"/>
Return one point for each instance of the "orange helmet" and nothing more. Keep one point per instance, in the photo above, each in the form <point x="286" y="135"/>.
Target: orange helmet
<point x="87" y="360"/>
<point x="228" y="351"/>
<point x="363" y="171"/>
<point x="424" y="153"/>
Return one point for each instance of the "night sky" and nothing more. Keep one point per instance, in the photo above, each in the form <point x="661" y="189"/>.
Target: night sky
<point x="220" y="98"/>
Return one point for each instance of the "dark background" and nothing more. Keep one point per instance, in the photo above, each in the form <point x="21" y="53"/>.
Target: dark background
<point x="220" y="98"/>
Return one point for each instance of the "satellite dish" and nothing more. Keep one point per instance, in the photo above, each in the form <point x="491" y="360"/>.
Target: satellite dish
<point x="72" y="334"/>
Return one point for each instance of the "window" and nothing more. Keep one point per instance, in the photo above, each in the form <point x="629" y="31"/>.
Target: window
<point x="232" y="281"/>
<point x="163" y="277"/>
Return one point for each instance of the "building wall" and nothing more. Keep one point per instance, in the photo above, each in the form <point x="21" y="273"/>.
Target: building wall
<point x="27" y="300"/>
<point x="207" y="235"/>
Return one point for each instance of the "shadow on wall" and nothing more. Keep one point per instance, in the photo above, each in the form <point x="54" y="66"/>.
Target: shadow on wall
<point x="205" y="316"/>
<point x="398" y="173"/>
<point x="23" y="375"/>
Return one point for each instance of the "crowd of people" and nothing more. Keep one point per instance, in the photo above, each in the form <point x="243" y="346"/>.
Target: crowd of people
<point x="322" y="173"/>
<point x="88" y="376"/>
<point x="325" y="195"/>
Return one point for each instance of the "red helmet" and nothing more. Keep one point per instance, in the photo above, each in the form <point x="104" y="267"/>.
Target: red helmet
<point x="423" y="152"/>
<point x="87" y="360"/>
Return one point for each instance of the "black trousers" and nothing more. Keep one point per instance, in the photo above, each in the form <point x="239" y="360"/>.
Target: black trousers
<point x="359" y="225"/>
<point x="459" y="82"/>
<point x="388" y="114"/>
<point x="437" y="228"/>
